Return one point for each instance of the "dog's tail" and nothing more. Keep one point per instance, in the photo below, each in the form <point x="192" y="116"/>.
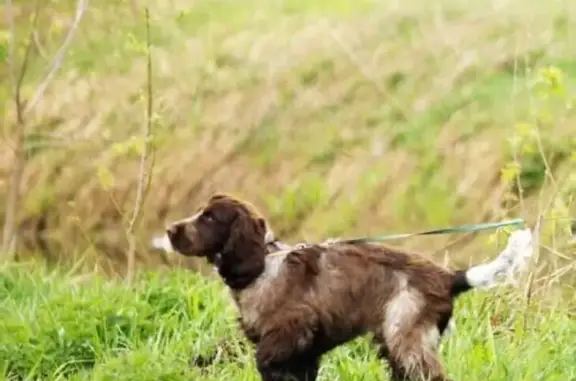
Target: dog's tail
<point x="514" y="257"/>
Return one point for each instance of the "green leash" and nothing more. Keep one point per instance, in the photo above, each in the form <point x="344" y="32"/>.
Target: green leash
<point x="457" y="229"/>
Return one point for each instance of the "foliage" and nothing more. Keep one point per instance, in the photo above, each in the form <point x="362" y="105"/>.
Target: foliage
<point x="309" y="109"/>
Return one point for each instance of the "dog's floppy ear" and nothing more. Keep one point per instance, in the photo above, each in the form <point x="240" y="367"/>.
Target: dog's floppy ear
<point x="263" y="227"/>
<point x="242" y="258"/>
<point x="244" y="234"/>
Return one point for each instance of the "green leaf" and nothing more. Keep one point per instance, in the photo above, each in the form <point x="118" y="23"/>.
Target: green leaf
<point x="524" y="129"/>
<point x="105" y="177"/>
<point x="509" y="173"/>
<point x="4" y="40"/>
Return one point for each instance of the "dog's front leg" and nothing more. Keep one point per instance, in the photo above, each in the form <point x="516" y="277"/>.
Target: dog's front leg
<point x="306" y="369"/>
<point x="286" y="355"/>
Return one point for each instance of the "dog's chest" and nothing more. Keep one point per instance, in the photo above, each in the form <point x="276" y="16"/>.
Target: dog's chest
<point x="252" y="304"/>
<point x="259" y="298"/>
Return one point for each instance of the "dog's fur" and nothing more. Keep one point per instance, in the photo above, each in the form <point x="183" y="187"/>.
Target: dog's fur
<point x="298" y="303"/>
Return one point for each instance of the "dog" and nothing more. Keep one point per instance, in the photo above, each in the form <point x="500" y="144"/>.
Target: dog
<point x="298" y="303"/>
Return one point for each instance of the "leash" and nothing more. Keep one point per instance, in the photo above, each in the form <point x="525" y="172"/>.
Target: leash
<point x="457" y="229"/>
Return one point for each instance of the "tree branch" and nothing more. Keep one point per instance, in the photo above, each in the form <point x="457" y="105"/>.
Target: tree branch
<point x="13" y="196"/>
<point x="81" y="6"/>
<point x="8" y="240"/>
<point x="144" y="172"/>
<point x="16" y="80"/>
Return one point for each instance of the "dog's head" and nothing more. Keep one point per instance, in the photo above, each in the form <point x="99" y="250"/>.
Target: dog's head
<point x="224" y="230"/>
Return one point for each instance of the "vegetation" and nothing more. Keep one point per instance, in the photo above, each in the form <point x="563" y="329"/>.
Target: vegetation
<point x="342" y="117"/>
<point x="58" y="327"/>
<point x="331" y="116"/>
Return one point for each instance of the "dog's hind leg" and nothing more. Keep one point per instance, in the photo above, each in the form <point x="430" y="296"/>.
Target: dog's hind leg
<point x="396" y="372"/>
<point x="412" y="354"/>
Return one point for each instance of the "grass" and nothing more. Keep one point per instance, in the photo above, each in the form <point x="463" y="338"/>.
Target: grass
<point x="54" y="327"/>
<point x="335" y="118"/>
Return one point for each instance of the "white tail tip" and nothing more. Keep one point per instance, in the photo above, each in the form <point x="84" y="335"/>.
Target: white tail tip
<point x="508" y="264"/>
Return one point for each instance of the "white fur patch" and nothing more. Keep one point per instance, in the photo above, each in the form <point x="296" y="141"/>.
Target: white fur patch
<point x="402" y="308"/>
<point x="431" y="338"/>
<point x="250" y="298"/>
<point x="163" y="243"/>
<point x="514" y="257"/>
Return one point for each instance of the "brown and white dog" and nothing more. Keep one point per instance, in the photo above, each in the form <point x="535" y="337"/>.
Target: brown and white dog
<point x="298" y="303"/>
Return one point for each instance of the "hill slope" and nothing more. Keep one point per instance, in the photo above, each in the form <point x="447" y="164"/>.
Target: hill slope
<point x="334" y="117"/>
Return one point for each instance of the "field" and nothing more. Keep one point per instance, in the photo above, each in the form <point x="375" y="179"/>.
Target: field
<point x="335" y="118"/>
<point x="58" y="327"/>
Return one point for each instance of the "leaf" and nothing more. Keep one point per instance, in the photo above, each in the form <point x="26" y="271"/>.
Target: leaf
<point x="515" y="142"/>
<point x="106" y="178"/>
<point x="134" y="45"/>
<point x="551" y="75"/>
<point x="545" y="117"/>
<point x="4" y="40"/>
<point x="524" y="129"/>
<point x="136" y="147"/>
<point x="509" y="173"/>
<point x="119" y="149"/>
<point x="154" y="142"/>
<point x="529" y="148"/>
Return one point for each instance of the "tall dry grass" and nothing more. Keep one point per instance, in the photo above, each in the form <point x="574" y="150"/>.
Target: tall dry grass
<point x="335" y="118"/>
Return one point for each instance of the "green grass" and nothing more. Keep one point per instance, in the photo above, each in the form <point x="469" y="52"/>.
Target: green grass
<point x="54" y="328"/>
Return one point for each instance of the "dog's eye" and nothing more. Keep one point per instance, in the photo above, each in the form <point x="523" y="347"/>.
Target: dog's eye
<point x="208" y="217"/>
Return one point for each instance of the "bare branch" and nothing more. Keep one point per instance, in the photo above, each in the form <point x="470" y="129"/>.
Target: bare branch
<point x="81" y="6"/>
<point x="8" y="241"/>
<point x="24" y="68"/>
<point x="11" y="42"/>
<point x="16" y="79"/>
<point x="39" y="48"/>
<point x="144" y="172"/>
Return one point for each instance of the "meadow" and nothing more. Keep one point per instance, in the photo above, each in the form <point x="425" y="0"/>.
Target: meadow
<point x="335" y="118"/>
<point x="54" y="326"/>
